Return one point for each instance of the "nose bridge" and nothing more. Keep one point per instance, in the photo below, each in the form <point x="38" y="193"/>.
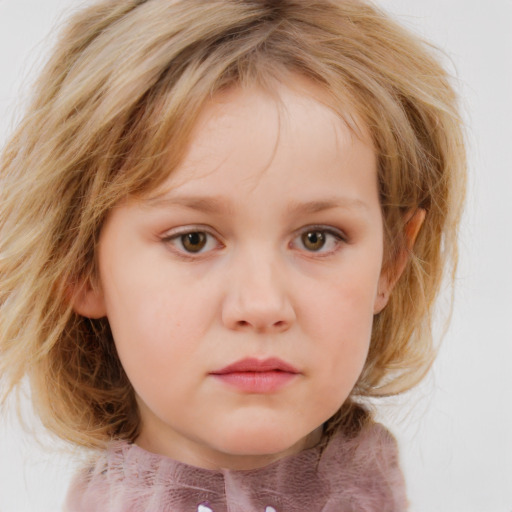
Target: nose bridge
<point x="257" y="293"/>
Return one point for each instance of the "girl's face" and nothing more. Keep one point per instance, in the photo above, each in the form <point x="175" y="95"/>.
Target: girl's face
<point x="241" y="295"/>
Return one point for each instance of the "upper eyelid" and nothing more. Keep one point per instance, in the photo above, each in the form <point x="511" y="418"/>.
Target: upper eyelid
<point x="326" y="229"/>
<point x="183" y="230"/>
<point x="194" y="228"/>
<point x="338" y="234"/>
<point x="169" y="238"/>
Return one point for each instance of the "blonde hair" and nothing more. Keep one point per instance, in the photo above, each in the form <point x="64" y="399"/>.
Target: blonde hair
<point x="112" y="114"/>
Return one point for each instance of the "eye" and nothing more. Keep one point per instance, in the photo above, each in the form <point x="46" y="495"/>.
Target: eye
<point x="313" y="240"/>
<point x="319" y="240"/>
<point x="192" y="242"/>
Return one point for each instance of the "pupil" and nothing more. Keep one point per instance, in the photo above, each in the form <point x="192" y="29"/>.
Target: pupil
<point x="314" y="240"/>
<point x="194" y="242"/>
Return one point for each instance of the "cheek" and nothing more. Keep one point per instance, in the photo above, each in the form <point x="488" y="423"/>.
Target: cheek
<point x="155" y="323"/>
<point x="344" y="305"/>
<point x="155" y="343"/>
<point x="345" y="342"/>
<point x="341" y="318"/>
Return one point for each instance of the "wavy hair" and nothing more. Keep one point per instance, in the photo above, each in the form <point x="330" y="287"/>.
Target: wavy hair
<point x="111" y="117"/>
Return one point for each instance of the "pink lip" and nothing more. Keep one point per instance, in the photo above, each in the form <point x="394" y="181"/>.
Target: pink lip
<point x="253" y="375"/>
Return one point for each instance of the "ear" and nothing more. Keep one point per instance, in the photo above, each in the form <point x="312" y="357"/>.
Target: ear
<point x="88" y="300"/>
<point x="391" y="274"/>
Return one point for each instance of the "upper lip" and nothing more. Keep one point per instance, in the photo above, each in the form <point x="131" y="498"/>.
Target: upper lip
<point x="252" y="364"/>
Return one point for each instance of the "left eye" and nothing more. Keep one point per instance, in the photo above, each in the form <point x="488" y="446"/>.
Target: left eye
<point x="318" y="240"/>
<point x="192" y="242"/>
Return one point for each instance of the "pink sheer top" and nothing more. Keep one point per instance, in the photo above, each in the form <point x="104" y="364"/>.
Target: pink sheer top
<point x="361" y="474"/>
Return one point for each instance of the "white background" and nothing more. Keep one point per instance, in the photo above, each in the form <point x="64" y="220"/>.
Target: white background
<point x="455" y="432"/>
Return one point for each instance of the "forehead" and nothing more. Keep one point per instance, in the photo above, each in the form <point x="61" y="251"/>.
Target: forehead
<point x="289" y="134"/>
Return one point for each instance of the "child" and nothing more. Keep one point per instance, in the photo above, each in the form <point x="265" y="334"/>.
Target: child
<point x="223" y="225"/>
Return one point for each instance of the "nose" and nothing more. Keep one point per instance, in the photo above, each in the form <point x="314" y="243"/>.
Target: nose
<point x="257" y="298"/>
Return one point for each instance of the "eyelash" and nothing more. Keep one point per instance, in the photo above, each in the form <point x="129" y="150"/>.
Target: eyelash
<point x="176" y="237"/>
<point x="173" y="239"/>
<point x="337" y="237"/>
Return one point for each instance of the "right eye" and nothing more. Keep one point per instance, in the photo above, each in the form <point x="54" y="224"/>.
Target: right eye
<point x="192" y="242"/>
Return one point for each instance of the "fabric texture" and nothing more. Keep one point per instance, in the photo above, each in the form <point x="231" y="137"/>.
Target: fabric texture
<point x="360" y="474"/>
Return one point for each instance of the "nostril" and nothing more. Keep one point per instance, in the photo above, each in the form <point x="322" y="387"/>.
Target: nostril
<point x="242" y="324"/>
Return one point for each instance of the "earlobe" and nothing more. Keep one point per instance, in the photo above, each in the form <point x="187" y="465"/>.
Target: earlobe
<point x="390" y="275"/>
<point x="88" y="301"/>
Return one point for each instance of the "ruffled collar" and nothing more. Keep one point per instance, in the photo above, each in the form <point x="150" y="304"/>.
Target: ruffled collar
<point x="357" y="474"/>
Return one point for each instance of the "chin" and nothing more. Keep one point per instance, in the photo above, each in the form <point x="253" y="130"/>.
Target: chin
<point x="262" y="442"/>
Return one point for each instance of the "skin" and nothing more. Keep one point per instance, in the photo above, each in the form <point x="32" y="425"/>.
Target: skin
<point x="260" y="174"/>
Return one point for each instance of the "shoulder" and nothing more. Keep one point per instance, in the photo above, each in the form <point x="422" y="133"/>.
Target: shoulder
<point x="366" y="469"/>
<point x="377" y="441"/>
<point x="372" y="441"/>
<point x="91" y="488"/>
<point x="124" y="478"/>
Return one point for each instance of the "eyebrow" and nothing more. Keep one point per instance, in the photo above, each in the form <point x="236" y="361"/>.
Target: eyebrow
<point x="219" y="205"/>
<point x="212" y="204"/>
<point x="331" y="203"/>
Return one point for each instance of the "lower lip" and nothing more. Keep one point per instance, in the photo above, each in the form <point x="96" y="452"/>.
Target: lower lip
<point x="257" y="382"/>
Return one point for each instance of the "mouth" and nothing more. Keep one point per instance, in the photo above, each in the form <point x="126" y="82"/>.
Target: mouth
<point x="253" y="375"/>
